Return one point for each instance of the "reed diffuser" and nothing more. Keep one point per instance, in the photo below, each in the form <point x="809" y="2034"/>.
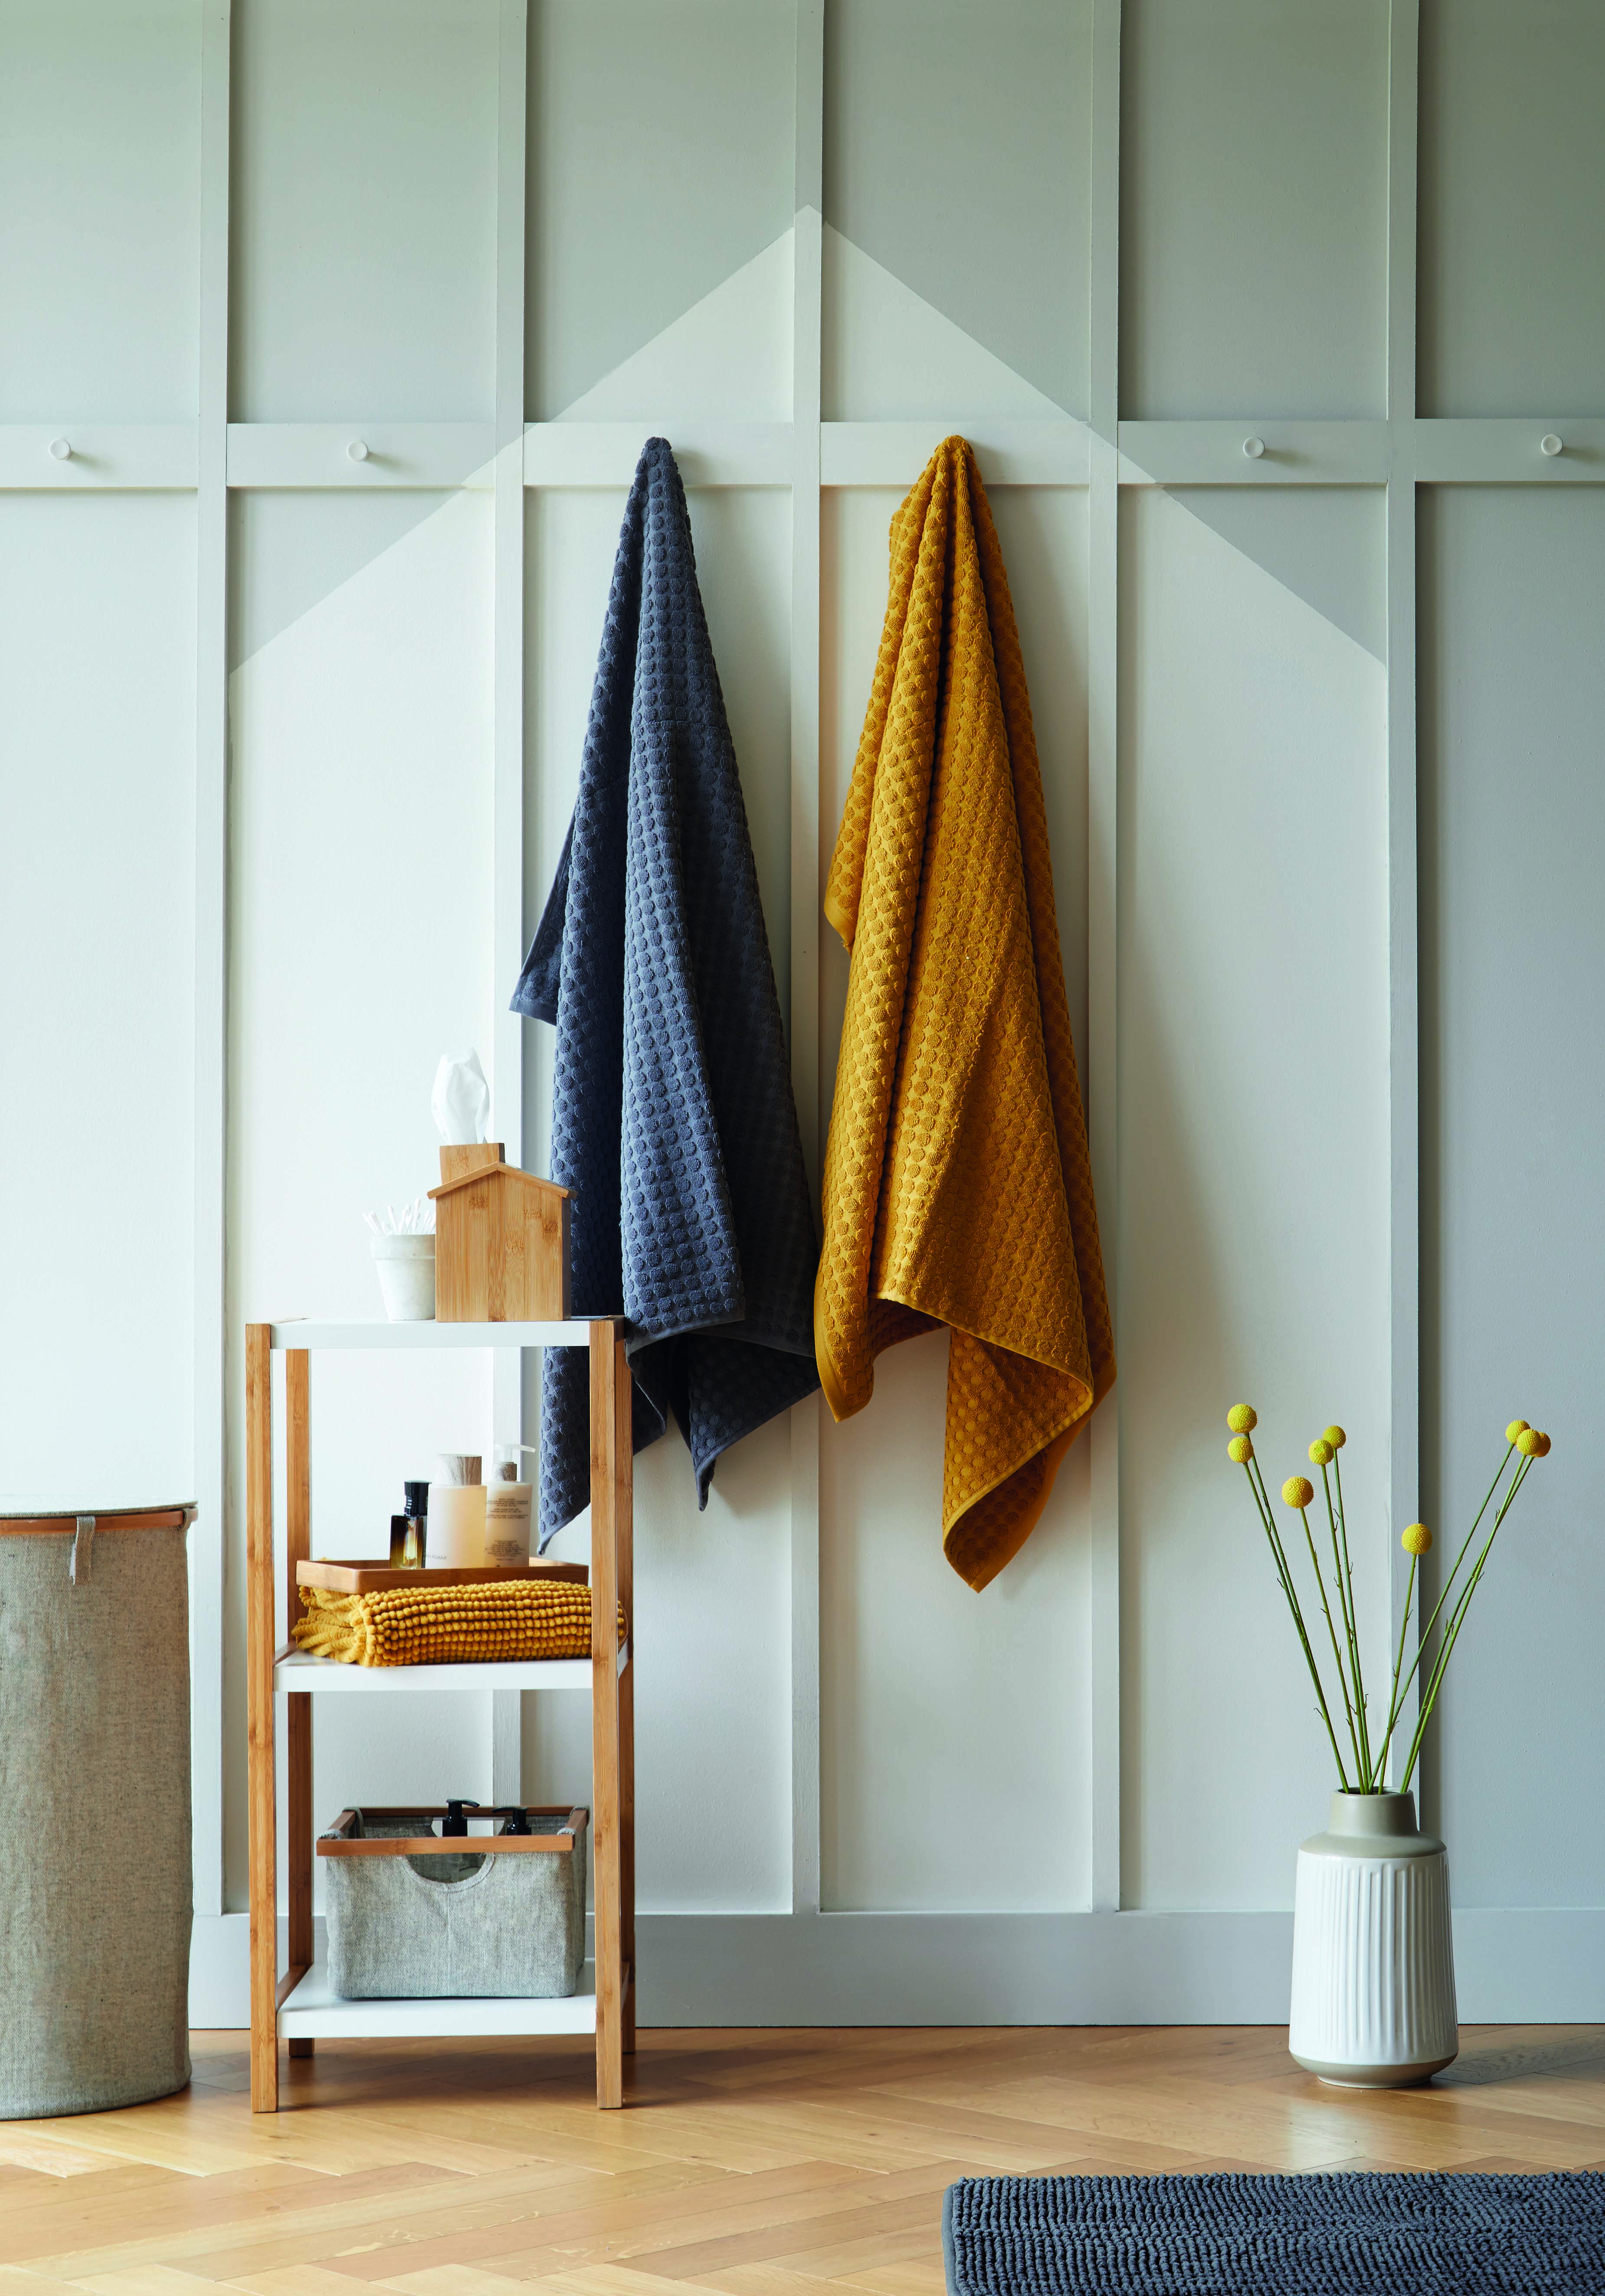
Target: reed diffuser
<point x="1367" y="1754"/>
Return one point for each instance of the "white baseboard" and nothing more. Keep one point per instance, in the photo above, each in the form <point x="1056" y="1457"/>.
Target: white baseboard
<point x="1515" y="1965"/>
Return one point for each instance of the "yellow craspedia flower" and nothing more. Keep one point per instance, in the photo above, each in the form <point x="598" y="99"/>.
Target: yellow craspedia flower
<point x="1321" y="1452"/>
<point x="1528" y="1442"/>
<point x="1298" y="1491"/>
<point x="1517" y="1427"/>
<point x="1241" y="1417"/>
<point x="1416" y="1538"/>
<point x="1543" y="1450"/>
<point x="1334" y="1435"/>
<point x="1239" y="1450"/>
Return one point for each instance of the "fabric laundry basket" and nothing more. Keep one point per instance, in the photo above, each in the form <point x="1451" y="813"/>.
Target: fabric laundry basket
<point x="453" y="1924"/>
<point x="94" y="1803"/>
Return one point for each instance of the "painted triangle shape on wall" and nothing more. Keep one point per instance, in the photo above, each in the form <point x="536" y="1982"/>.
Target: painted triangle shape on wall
<point x="888" y="354"/>
<point x="729" y="355"/>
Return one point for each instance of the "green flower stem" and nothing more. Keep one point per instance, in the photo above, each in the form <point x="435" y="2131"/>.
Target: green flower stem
<point x="1426" y="1634"/>
<point x="1269" y="1514"/>
<point x="1346" y="1604"/>
<point x="1353" y="1735"/>
<point x="1285" y="1569"/>
<point x="1457" y="1615"/>
<point x="1456" y="1620"/>
<point x="1393" y="1700"/>
<point x="1267" y="1525"/>
<point x="1376" y="1779"/>
<point x="1268" y="1517"/>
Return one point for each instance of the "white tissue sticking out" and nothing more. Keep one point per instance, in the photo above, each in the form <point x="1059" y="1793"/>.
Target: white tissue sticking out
<point x="461" y="1101"/>
<point x="416" y="1218"/>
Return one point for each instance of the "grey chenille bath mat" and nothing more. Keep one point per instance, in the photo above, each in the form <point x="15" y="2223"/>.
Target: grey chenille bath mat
<point x="1330" y="2235"/>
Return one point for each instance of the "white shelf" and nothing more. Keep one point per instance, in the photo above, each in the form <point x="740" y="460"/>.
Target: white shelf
<point x="314" y="2012"/>
<point x="303" y="1332"/>
<point x="299" y="1670"/>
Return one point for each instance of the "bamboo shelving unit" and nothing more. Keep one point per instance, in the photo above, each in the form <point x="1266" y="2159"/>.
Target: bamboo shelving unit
<point x="296" y="2007"/>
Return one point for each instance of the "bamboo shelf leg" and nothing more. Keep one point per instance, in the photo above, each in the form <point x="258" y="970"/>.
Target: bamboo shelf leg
<point x="258" y="1700"/>
<point x="298" y="1733"/>
<point x="611" y="1474"/>
<point x="626" y="1728"/>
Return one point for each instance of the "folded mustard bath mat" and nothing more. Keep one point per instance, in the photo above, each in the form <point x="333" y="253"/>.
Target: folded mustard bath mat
<point x="448" y="1626"/>
<point x="957" y="1186"/>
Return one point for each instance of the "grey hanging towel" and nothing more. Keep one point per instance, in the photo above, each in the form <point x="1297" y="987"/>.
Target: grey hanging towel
<point x="673" y="1120"/>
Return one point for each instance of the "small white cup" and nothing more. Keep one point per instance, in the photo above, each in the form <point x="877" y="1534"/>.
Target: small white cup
<point x="406" y="1277"/>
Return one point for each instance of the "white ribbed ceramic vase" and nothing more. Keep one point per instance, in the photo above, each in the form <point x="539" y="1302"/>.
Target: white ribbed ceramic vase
<point x="1373" y="1955"/>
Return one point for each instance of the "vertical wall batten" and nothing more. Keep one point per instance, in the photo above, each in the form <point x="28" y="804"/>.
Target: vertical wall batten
<point x="808" y="251"/>
<point x="209" y="1538"/>
<point x="1101" y="1083"/>
<point x="1403" y="959"/>
<point x="507" y="924"/>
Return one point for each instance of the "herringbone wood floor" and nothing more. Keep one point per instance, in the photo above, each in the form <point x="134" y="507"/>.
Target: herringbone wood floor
<point x="757" y="2164"/>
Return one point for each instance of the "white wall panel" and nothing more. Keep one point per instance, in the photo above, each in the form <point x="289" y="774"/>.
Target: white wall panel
<point x="1254" y="207"/>
<point x="1513" y="938"/>
<point x="955" y="187"/>
<point x="360" y="952"/>
<point x="934" y="1701"/>
<point x="97" y="602"/>
<point x="100" y="224"/>
<point x="1512" y="208"/>
<point x="1253" y="1178"/>
<point x="364" y="210"/>
<point x="712" y="1590"/>
<point x="660" y="209"/>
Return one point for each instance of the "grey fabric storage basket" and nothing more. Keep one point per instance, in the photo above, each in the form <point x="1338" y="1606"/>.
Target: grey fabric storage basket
<point x="94" y="1802"/>
<point x="456" y="1923"/>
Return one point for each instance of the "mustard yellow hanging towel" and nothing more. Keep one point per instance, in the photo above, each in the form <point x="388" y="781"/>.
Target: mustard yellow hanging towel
<point x="957" y="1186"/>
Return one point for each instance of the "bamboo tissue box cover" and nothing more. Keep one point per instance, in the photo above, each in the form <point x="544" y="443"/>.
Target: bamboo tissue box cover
<point x="501" y="1241"/>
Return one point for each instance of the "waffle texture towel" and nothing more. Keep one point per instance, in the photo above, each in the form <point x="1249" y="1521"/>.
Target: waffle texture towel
<point x="448" y="1626"/>
<point x="1355" y="2235"/>
<point x="673" y="1120"/>
<point x="957" y="1187"/>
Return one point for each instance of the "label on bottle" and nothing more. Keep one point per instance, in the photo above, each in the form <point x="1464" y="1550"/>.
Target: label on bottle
<point x="507" y="1522"/>
<point x="456" y="1526"/>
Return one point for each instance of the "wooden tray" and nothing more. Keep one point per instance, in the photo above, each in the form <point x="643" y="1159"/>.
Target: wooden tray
<point x="370" y="1577"/>
<point x="338" y="1842"/>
